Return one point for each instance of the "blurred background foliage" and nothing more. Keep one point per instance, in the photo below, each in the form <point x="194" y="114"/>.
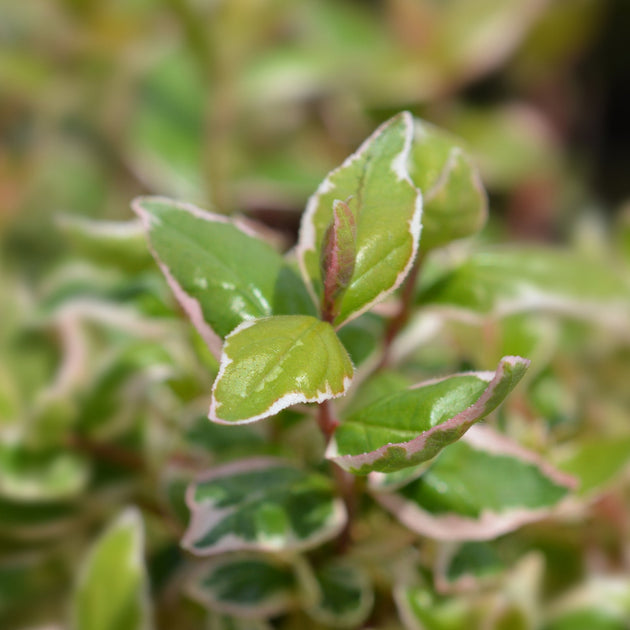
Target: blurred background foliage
<point x="244" y="106"/>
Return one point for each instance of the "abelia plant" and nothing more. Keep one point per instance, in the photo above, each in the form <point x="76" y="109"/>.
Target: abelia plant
<point x="309" y="336"/>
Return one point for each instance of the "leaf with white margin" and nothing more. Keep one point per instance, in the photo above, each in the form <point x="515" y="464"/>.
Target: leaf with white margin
<point x="412" y="426"/>
<point x="504" y="281"/>
<point x="262" y="504"/>
<point x="110" y="243"/>
<point x="479" y="488"/>
<point x="454" y="200"/>
<point x="345" y="596"/>
<point x="221" y="272"/>
<point x="111" y="593"/>
<point x="246" y="585"/>
<point x="270" y="364"/>
<point x="375" y="184"/>
<point x="50" y="475"/>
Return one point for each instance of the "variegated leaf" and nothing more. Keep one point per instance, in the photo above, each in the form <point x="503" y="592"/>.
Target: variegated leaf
<point x="412" y="426"/>
<point x="220" y="271"/>
<point x="246" y="585"/>
<point x="261" y="504"/>
<point x="478" y="488"/>
<point x="272" y="363"/>
<point x="374" y="183"/>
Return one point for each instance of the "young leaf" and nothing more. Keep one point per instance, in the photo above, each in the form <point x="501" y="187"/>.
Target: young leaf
<point x="412" y="426"/>
<point x="501" y="282"/>
<point x="386" y="207"/>
<point x="112" y="589"/>
<point x="338" y="258"/>
<point x="454" y="200"/>
<point x="251" y="586"/>
<point x="478" y="489"/>
<point x="345" y="596"/>
<point x="261" y="504"/>
<point x="221" y="274"/>
<point x="269" y="364"/>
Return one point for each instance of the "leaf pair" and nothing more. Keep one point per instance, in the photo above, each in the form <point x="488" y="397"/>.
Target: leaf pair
<point x="233" y="286"/>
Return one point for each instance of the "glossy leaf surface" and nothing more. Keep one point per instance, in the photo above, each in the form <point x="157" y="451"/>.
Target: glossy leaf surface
<point x="221" y="274"/>
<point x="261" y="504"/>
<point x="272" y="363"/>
<point x="246" y="586"/>
<point x="111" y="593"/>
<point x="375" y="184"/>
<point x="412" y="426"/>
<point x="477" y="489"/>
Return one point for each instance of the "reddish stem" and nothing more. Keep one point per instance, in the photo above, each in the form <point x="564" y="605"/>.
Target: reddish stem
<point x="327" y="423"/>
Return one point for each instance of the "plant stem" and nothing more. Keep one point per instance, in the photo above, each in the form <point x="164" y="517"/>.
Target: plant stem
<point x="347" y="487"/>
<point x="346" y="482"/>
<point x="327" y="423"/>
<point x="112" y="453"/>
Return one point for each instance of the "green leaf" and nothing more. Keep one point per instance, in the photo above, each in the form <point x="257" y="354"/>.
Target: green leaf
<point x="361" y="337"/>
<point x="220" y="272"/>
<point x="478" y="489"/>
<point x="504" y="281"/>
<point x="599" y="603"/>
<point x="463" y="567"/>
<point x="454" y="201"/>
<point x="261" y="504"/>
<point x="39" y="520"/>
<point x="422" y="610"/>
<point x="597" y="461"/>
<point x="112" y="590"/>
<point x="345" y="596"/>
<point x="269" y="364"/>
<point x="412" y="426"/>
<point x="113" y="243"/>
<point x="49" y="475"/>
<point x="589" y="619"/>
<point x="246" y="586"/>
<point x="386" y="206"/>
